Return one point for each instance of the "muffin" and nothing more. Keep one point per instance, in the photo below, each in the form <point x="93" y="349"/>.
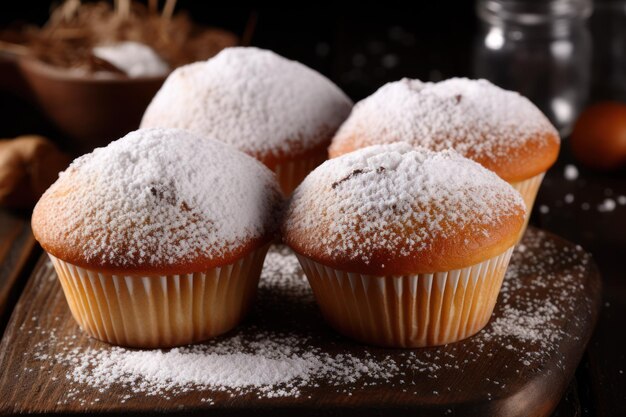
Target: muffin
<point x="158" y="239"/>
<point x="402" y="246"/>
<point x="276" y="110"/>
<point x="501" y="130"/>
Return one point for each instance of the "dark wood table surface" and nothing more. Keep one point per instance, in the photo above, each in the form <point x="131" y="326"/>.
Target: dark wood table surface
<point x="552" y="285"/>
<point x="336" y="42"/>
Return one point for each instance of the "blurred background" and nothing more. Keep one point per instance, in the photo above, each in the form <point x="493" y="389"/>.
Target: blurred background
<point x="551" y="51"/>
<point x="567" y="56"/>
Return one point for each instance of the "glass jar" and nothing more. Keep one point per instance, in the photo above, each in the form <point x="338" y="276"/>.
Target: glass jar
<point x="608" y="28"/>
<point x="542" y="49"/>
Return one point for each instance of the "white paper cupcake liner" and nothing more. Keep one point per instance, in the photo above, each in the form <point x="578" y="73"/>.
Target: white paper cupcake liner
<point x="160" y="310"/>
<point x="291" y="173"/>
<point x="408" y="311"/>
<point x="528" y="189"/>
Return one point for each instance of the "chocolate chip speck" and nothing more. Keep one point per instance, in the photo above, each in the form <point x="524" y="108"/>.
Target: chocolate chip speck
<point x="351" y="175"/>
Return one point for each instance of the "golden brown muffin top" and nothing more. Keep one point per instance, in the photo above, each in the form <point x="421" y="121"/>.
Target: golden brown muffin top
<point x="158" y="201"/>
<point x="501" y="130"/>
<point x="395" y="209"/>
<point x="270" y="107"/>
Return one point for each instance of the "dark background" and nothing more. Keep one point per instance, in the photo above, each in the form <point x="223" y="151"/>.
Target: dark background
<point x="359" y="48"/>
<point x="362" y="47"/>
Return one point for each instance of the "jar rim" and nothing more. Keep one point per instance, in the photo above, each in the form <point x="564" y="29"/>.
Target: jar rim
<point x="529" y="12"/>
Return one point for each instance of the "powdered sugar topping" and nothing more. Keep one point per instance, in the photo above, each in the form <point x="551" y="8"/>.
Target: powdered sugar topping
<point x="395" y="198"/>
<point x="158" y="197"/>
<point x="254" y="99"/>
<point x="134" y="58"/>
<point x="474" y="117"/>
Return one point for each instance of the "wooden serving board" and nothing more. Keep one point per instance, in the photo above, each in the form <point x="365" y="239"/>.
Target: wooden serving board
<point x="520" y="365"/>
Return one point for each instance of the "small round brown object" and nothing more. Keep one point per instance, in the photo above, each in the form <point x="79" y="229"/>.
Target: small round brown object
<point x="599" y="136"/>
<point x="28" y="165"/>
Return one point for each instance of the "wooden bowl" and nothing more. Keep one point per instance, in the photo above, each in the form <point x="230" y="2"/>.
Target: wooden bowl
<point x="91" y="110"/>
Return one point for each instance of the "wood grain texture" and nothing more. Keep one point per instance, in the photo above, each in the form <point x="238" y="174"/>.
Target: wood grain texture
<point x="16" y="245"/>
<point x="498" y="376"/>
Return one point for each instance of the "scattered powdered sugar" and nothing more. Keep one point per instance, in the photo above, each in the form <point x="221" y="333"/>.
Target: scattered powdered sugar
<point x="526" y="317"/>
<point x="474" y="117"/>
<point x="235" y="365"/>
<point x="134" y="58"/>
<point x="285" y="349"/>
<point x="395" y="198"/>
<point x="570" y="172"/>
<point x="282" y="270"/>
<point x="158" y="197"/>
<point x="254" y="99"/>
<point x="519" y="324"/>
<point x="607" y="205"/>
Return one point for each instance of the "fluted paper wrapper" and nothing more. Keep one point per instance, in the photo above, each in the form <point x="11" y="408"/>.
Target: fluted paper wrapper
<point x="160" y="310"/>
<point x="528" y="189"/>
<point x="408" y="311"/>
<point x="290" y="174"/>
